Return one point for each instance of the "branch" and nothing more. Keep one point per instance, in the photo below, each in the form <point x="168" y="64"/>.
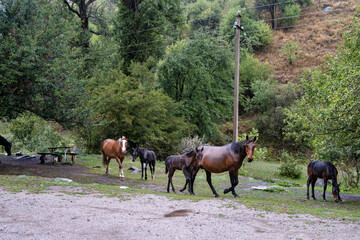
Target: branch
<point x="71" y="8"/>
<point x="89" y="2"/>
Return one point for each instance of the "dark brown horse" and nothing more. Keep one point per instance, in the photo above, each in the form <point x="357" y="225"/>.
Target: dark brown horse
<point x="146" y="157"/>
<point x="6" y="144"/>
<point x="227" y="158"/>
<point x="114" y="149"/>
<point x="188" y="163"/>
<point x="326" y="171"/>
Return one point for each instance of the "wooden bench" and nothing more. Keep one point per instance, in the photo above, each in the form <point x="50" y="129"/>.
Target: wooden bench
<point x="58" y="155"/>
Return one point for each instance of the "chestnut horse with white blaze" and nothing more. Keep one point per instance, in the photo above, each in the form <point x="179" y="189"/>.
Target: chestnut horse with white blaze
<point x="114" y="149"/>
<point x="227" y="158"/>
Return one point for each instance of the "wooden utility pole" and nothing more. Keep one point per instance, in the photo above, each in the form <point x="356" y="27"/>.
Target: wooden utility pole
<point x="236" y="79"/>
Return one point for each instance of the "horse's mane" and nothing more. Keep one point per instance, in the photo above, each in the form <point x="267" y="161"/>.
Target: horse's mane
<point x="189" y="154"/>
<point x="239" y="146"/>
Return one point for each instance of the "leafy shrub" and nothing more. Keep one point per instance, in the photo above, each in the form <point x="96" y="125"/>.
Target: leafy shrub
<point x="290" y="15"/>
<point x="291" y="51"/>
<point x="187" y="144"/>
<point x="290" y="167"/>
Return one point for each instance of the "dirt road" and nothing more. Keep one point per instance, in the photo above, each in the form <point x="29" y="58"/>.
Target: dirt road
<point x="55" y="215"/>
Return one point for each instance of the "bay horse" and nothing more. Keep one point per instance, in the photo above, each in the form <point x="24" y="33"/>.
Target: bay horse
<point x="114" y="149"/>
<point x="146" y="157"/>
<point x="326" y="171"/>
<point x="6" y="144"/>
<point x="227" y="158"/>
<point x="188" y="163"/>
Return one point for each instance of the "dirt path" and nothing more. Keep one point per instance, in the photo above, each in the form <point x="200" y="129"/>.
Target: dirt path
<point x="55" y="215"/>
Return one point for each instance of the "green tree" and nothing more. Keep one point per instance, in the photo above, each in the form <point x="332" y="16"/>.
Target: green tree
<point x="199" y="73"/>
<point x="131" y="106"/>
<point x="327" y="116"/>
<point x="203" y="14"/>
<point x="37" y="64"/>
<point x="143" y="28"/>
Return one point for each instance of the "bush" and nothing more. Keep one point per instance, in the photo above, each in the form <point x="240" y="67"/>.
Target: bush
<point x="187" y="144"/>
<point x="290" y="167"/>
<point x="291" y="51"/>
<point x="290" y="16"/>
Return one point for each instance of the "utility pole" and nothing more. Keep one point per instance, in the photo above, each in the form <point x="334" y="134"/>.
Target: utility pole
<point x="236" y="79"/>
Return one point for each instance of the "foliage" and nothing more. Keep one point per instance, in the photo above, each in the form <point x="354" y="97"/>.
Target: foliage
<point x="131" y="106"/>
<point x="258" y="33"/>
<point x="270" y="100"/>
<point x="189" y="143"/>
<point x="289" y="168"/>
<point x="327" y="116"/>
<point x="199" y="73"/>
<point x="38" y="66"/>
<point x="203" y="14"/>
<point x="140" y="27"/>
<point x="290" y="15"/>
<point x="33" y="134"/>
<point x="291" y="51"/>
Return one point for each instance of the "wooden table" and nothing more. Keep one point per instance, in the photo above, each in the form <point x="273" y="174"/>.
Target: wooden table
<point x="53" y="151"/>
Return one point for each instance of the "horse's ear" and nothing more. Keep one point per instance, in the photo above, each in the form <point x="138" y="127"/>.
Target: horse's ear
<point x="247" y="137"/>
<point x="254" y="139"/>
<point x="202" y="149"/>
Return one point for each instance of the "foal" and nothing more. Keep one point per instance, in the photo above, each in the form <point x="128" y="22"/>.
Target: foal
<point x="325" y="170"/>
<point x="146" y="157"/>
<point x="188" y="163"/>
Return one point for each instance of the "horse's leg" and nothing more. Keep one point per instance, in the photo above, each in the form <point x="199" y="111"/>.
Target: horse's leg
<point x="142" y="169"/>
<point x="208" y="179"/>
<point x="146" y="163"/>
<point x="107" y="165"/>
<point x="188" y="179"/>
<point x="325" y="186"/>
<point x="121" y="173"/>
<point x="171" y="173"/>
<point x="153" y="169"/>
<point x="313" y="181"/>
<point x="192" y="179"/>
<point x="308" y="184"/>
<point x="234" y="180"/>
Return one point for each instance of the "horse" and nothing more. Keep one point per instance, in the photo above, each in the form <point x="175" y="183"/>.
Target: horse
<point x="227" y="158"/>
<point x="188" y="163"/>
<point x="326" y="171"/>
<point x="6" y="144"/>
<point x="146" y="157"/>
<point x="114" y="149"/>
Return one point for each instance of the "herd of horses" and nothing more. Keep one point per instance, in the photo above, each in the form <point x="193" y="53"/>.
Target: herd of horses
<point x="213" y="159"/>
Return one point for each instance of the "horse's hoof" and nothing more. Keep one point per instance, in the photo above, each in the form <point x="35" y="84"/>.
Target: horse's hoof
<point x="236" y="195"/>
<point x="217" y="195"/>
<point x="226" y="191"/>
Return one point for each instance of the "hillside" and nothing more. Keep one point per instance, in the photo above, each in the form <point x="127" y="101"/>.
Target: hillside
<point x="317" y="32"/>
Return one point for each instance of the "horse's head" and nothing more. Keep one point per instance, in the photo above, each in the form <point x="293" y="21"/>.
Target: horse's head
<point x="8" y="149"/>
<point x="336" y="192"/>
<point x="123" y="143"/>
<point x="249" y="148"/>
<point x="135" y="154"/>
<point x="199" y="154"/>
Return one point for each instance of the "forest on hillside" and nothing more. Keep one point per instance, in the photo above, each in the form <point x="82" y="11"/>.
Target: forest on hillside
<point x="162" y="74"/>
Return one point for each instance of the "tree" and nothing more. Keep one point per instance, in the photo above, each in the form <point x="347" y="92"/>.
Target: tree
<point x="37" y="64"/>
<point x="199" y="73"/>
<point x="204" y="14"/>
<point x="327" y="116"/>
<point x="130" y="105"/>
<point x="143" y="27"/>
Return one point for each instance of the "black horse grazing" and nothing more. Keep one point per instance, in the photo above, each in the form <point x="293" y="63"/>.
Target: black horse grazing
<point x="6" y="144"/>
<point x="146" y="157"/>
<point x="326" y="171"/>
<point x="227" y="158"/>
<point x="188" y="163"/>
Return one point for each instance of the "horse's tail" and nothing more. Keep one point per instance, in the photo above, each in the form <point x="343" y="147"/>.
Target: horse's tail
<point x="104" y="162"/>
<point x="166" y="165"/>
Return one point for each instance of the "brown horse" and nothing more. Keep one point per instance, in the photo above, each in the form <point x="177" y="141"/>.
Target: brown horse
<point x="326" y="171"/>
<point x="188" y="163"/>
<point x="227" y="158"/>
<point x="114" y="149"/>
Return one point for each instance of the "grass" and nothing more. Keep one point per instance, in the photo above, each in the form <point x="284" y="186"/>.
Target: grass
<point x="289" y="197"/>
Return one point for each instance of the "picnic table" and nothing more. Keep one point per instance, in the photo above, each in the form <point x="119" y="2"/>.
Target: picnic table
<point x="57" y="154"/>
